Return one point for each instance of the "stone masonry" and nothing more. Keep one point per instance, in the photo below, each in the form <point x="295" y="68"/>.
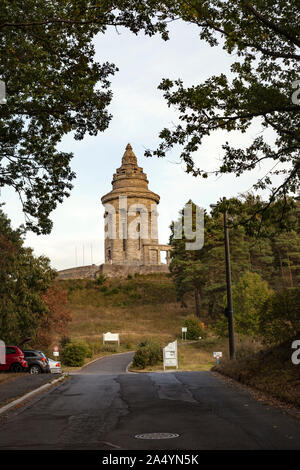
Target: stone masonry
<point x="131" y="241"/>
<point x="131" y="235"/>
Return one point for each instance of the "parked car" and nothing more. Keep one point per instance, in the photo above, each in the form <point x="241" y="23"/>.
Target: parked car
<point x="15" y="361"/>
<point x="55" y="366"/>
<point x="37" y="361"/>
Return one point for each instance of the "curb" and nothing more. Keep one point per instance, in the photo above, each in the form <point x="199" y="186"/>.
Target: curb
<point x="14" y="403"/>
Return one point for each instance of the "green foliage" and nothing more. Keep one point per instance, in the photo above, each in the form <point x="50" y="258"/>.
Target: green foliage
<point x="24" y="279"/>
<point x="73" y="354"/>
<point x="280" y="317"/>
<point x="148" y="353"/>
<point x="274" y="255"/>
<point x="55" y="87"/>
<point x="64" y="341"/>
<point x="263" y="39"/>
<point x="100" y="279"/>
<point x="249" y="295"/>
<point x="194" y="328"/>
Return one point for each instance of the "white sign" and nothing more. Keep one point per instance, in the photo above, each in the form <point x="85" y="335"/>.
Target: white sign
<point x="111" y="337"/>
<point x="170" y="355"/>
<point x="184" y="329"/>
<point x="217" y="354"/>
<point x="55" y="353"/>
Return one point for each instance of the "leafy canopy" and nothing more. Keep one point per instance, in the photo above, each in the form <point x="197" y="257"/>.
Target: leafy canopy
<point x="54" y="87"/>
<point x="24" y="280"/>
<point x="263" y="36"/>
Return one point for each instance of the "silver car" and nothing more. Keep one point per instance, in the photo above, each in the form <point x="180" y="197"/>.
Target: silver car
<point x="55" y="366"/>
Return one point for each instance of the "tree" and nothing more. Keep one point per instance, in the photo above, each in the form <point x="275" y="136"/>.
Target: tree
<point x="186" y="267"/>
<point x="280" y="319"/>
<point x="56" y="318"/>
<point x="23" y="280"/>
<point x="264" y="37"/>
<point x="249" y="295"/>
<point x="272" y="255"/>
<point x="55" y="87"/>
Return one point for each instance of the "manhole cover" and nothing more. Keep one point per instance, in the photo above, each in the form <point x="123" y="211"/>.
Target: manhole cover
<point x="157" y="435"/>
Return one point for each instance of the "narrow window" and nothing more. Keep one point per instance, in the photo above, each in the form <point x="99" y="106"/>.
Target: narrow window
<point x="124" y="237"/>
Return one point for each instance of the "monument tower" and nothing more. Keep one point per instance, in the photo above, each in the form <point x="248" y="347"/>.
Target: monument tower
<point x="131" y="241"/>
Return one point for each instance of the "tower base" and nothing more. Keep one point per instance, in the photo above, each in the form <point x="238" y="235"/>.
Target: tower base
<point x="122" y="270"/>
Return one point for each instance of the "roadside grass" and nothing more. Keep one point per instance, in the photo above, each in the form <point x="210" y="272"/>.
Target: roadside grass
<point x="270" y="371"/>
<point x="193" y="355"/>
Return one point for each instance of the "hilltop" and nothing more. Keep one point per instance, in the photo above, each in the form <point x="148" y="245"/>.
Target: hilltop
<point x="136" y="307"/>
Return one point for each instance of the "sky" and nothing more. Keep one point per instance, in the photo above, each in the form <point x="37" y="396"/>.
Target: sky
<point x="139" y="113"/>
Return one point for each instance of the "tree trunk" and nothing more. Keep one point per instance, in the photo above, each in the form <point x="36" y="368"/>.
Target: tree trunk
<point x="197" y="302"/>
<point x="290" y="271"/>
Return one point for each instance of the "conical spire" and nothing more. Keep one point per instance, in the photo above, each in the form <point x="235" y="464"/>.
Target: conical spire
<point x="129" y="156"/>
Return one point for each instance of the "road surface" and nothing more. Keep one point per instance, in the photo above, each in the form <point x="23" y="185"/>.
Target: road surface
<point x="103" y="407"/>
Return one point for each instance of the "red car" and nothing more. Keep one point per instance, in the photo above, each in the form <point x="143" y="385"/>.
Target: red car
<point x="15" y="361"/>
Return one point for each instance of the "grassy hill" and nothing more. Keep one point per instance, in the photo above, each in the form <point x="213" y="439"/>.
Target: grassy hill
<point x="139" y="307"/>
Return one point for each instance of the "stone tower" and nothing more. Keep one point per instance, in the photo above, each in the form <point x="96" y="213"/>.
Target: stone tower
<point x="131" y="242"/>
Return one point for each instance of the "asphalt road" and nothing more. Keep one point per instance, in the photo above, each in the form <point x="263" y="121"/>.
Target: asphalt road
<point x="103" y="407"/>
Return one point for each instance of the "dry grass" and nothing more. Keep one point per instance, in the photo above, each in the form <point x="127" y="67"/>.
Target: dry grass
<point x="194" y="355"/>
<point x="268" y="370"/>
<point x="136" y="308"/>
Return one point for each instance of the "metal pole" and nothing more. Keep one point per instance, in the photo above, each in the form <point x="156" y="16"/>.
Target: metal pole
<point x="229" y="291"/>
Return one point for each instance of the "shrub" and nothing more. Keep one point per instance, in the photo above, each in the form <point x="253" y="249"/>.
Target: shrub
<point x="113" y="291"/>
<point x="64" y="341"/>
<point x="148" y="353"/>
<point x="73" y="354"/>
<point x="100" y="279"/>
<point x="194" y="328"/>
<point x="280" y="317"/>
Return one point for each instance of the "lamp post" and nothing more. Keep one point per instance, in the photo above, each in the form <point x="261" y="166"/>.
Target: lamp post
<point x="229" y="308"/>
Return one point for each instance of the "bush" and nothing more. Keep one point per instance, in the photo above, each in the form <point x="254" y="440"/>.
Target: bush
<point x="64" y="341"/>
<point x="194" y="328"/>
<point x="73" y="354"/>
<point x="100" y="279"/>
<point x="280" y="317"/>
<point x="148" y="353"/>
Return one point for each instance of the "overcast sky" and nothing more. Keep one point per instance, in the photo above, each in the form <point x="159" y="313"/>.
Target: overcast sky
<point x="139" y="113"/>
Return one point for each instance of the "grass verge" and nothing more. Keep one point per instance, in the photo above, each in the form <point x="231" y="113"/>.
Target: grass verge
<point x="270" y="371"/>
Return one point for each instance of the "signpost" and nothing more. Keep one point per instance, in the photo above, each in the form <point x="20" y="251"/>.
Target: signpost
<point x="183" y="333"/>
<point x="55" y="351"/>
<point x="111" y="337"/>
<point x="217" y="355"/>
<point x="170" y="355"/>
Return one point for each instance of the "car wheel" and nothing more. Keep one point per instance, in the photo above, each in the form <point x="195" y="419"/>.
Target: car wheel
<point x="16" y="368"/>
<point x="35" y="369"/>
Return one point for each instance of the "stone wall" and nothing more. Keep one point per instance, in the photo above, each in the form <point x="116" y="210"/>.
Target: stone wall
<point x="122" y="270"/>
<point x="82" y="272"/>
<point x="110" y="270"/>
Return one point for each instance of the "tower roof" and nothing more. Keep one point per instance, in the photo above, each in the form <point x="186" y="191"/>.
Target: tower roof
<point x="129" y="156"/>
<point x="130" y="180"/>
